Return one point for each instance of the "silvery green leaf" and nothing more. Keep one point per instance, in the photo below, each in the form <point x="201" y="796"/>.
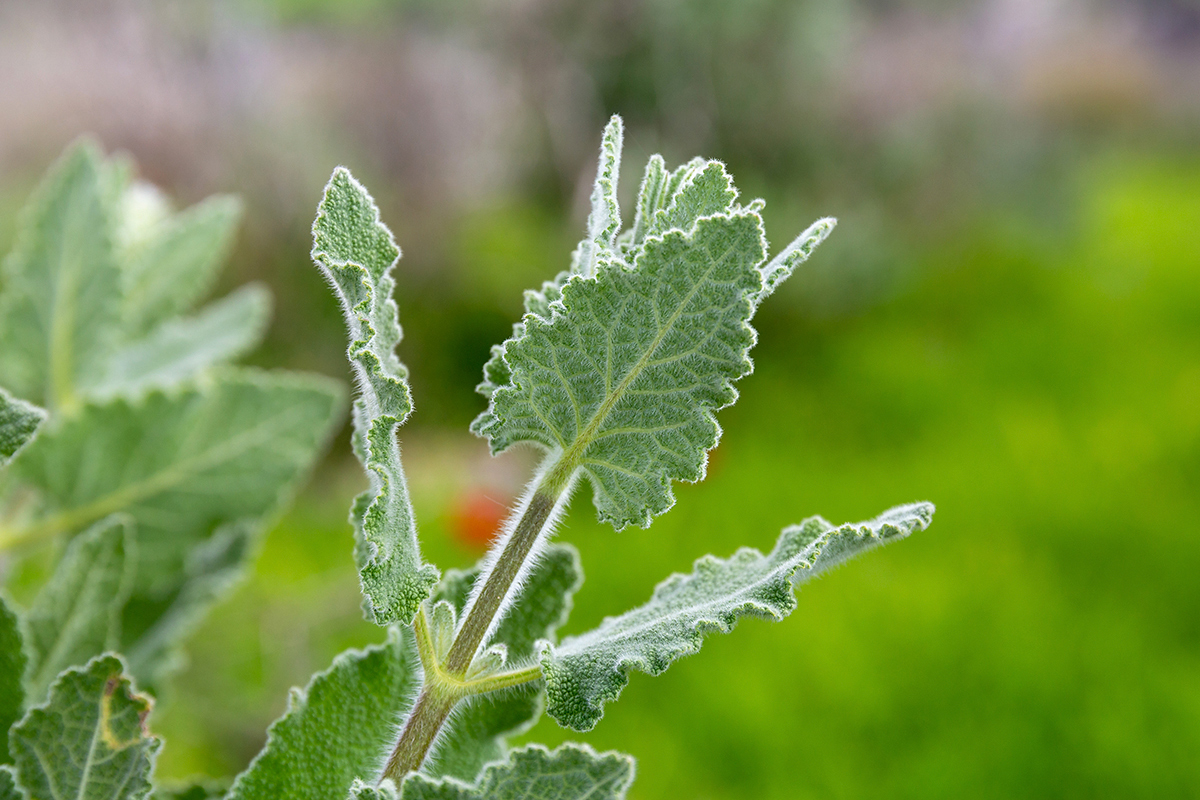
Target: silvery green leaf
<point x="180" y="348"/>
<point x="779" y="268"/>
<point x="60" y="307"/>
<point x="170" y="261"/>
<point x="604" y="221"/>
<point x="337" y="729"/>
<point x="368" y="791"/>
<point x="182" y="463"/>
<point x="571" y="772"/>
<point x="651" y="197"/>
<point x="19" y="422"/>
<point x="77" y="614"/>
<point x="356" y="253"/>
<point x="586" y="671"/>
<point x="13" y="662"/>
<point x="89" y="740"/>
<point x="698" y="189"/>
<point x="476" y="732"/>
<point x="623" y="381"/>
<point x="8" y="780"/>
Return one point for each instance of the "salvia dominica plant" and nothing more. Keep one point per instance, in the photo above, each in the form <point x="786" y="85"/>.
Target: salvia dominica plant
<point x="152" y="464"/>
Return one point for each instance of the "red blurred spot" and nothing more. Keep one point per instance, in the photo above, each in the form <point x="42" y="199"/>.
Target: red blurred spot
<point x="476" y="517"/>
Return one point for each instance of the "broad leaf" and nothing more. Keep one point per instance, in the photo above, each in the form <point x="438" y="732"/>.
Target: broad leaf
<point x="356" y="253"/>
<point x="19" y="422"/>
<point x="181" y="464"/>
<point x="336" y="730"/>
<point x="8" y="781"/>
<point x="571" y="772"/>
<point x="77" y="614"/>
<point x="476" y="731"/>
<point x="180" y="348"/>
<point x="12" y="673"/>
<point x="586" y="671"/>
<point x="89" y="741"/>
<point x="62" y="291"/>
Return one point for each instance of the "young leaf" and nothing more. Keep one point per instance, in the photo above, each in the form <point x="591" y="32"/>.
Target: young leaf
<point x="622" y="383"/>
<point x="605" y="220"/>
<point x="586" y="671"/>
<point x="356" y="253"/>
<point x="179" y="348"/>
<point x="61" y="303"/>
<point x="8" y="780"/>
<point x="338" y="729"/>
<point x="476" y="732"/>
<point x="19" y="422"/>
<point x="571" y="772"/>
<point x="88" y="741"/>
<point x="12" y="672"/>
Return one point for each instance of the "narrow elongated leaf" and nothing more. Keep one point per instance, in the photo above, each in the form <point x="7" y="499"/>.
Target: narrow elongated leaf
<point x="89" y="740"/>
<point x="605" y="219"/>
<point x="8" y="781"/>
<point x="571" y="772"/>
<point x="475" y="734"/>
<point x="77" y="614"/>
<point x="62" y="294"/>
<point x="780" y="268"/>
<point x="356" y="253"/>
<point x="12" y="673"/>
<point x="178" y="349"/>
<point x="586" y="671"/>
<point x="19" y="422"/>
<point x="338" y="729"/>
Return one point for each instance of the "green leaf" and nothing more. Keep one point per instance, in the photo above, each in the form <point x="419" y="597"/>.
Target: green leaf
<point x="571" y="772"/>
<point x="605" y="219"/>
<point x="337" y="729"/>
<point x="181" y="464"/>
<point x="77" y="614"/>
<point x="8" y="781"/>
<point x="170" y="261"/>
<point x="89" y="741"/>
<point x="13" y="661"/>
<point x="586" y="671"/>
<point x="476" y="731"/>
<point x="779" y="268"/>
<point x="356" y="253"/>
<point x="19" y="422"/>
<point x="178" y="349"/>
<point x="62" y="292"/>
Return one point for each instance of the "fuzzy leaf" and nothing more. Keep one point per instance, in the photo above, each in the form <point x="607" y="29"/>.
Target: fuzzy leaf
<point x="13" y="661"/>
<point x="604" y="221"/>
<point x="182" y="464"/>
<point x="89" y="741"/>
<point x="586" y="671"/>
<point x="19" y="422"/>
<point x="780" y="268"/>
<point x="179" y="348"/>
<point x="62" y="295"/>
<point x="571" y="772"/>
<point x="476" y="732"/>
<point x="77" y="614"/>
<point x="336" y="730"/>
<point x="356" y="253"/>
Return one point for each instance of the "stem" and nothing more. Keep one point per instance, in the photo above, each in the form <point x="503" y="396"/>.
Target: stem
<point x="428" y="715"/>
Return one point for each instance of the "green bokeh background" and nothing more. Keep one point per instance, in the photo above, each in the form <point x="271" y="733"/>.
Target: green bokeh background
<point x="1006" y="322"/>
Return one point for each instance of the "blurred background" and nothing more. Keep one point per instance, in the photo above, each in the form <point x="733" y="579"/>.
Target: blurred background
<point x="1006" y="322"/>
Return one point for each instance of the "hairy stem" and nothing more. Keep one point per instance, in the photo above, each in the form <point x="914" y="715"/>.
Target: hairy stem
<point x="428" y="715"/>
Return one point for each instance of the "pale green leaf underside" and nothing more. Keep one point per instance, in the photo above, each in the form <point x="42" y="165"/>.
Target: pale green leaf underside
<point x="19" y="422"/>
<point x="356" y="253"/>
<point x="586" y="671"/>
<point x="77" y="614"/>
<point x="338" y="729"/>
<point x="476" y="731"/>
<point x="88" y="741"/>
<point x="571" y="772"/>
<point x="8" y="782"/>
<point x="12" y="675"/>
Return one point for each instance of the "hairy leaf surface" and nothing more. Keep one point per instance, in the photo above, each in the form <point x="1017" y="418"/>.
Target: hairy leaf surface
<point x="475" y="733"/>
<point x="77" y="614"/>
<point x="356" y="253"/>
<point x="19" y="422"/>
<point x="338" y="729"/>
<point x="12" y="674"/>
<point x="586" y="671"/>
<point x="88" y="741"/>
<point x="571" y="772"/>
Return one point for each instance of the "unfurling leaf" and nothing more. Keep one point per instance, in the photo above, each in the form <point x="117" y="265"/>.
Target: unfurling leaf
<point x="356" y="253"/>
<point x="12" y="676"/>
<point x="337" y="729"/>
<point x="586" y="671"/>
<point x="19" y="422"/>
<point x="89" y="740"/>
<point x="571" y="772"/>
